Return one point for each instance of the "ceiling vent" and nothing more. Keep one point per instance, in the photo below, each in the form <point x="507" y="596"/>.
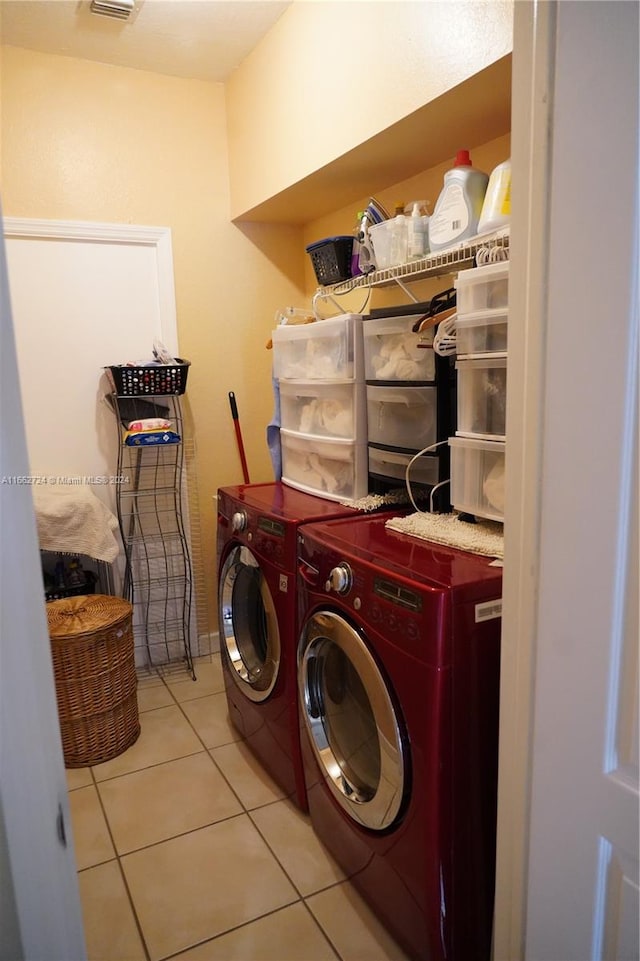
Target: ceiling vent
<point x="116" y="9"/>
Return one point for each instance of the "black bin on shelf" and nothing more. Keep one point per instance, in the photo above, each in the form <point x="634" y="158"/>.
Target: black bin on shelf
<point x="130" y="381"/>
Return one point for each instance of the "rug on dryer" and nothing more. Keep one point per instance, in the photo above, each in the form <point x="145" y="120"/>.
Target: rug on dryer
<point x="483" y="537"/>
<point x="373" y="502"/>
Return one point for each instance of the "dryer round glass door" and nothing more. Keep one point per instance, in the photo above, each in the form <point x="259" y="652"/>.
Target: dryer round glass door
<point x="351" y="721"/>
<point x="248" y="624"/>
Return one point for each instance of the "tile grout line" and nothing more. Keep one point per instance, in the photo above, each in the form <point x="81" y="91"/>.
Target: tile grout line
<point x="237" y="927"/>
<point x="118" y="856"/>
<point x="322" y="930"/>
<point x="245" y="810"/>
<point x="136" y="919"/>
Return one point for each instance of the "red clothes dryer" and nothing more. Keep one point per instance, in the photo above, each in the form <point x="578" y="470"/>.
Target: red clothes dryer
<point x="257" y="530"/>
<point x="398" y="674"/>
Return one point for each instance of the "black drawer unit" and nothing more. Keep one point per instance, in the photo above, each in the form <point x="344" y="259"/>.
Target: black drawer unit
<point x="411" y="400"/>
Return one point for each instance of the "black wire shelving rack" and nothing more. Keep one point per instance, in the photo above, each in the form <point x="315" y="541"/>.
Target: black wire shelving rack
<point x="150" y="490"/>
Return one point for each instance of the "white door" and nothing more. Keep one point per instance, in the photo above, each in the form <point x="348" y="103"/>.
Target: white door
<point x="568" y="880"/>
<point x="40" y="915"/>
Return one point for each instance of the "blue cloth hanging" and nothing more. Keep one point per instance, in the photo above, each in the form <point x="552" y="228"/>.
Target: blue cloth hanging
<point x="273" y="432"/>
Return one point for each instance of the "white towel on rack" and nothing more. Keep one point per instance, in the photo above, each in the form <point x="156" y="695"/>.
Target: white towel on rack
<point x="72" y="520"/>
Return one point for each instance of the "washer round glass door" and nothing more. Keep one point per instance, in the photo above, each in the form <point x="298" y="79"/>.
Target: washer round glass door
<point x="351" y="721"/>
<point x="248" y="624"/>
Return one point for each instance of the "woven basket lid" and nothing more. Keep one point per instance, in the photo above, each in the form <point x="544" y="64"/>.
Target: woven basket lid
<point x="85" y="614"/>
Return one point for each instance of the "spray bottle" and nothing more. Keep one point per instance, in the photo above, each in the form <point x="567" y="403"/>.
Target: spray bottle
<point x="459" y="205"/>
<point x="398" y="243"/>
<point x="416" y="239"/>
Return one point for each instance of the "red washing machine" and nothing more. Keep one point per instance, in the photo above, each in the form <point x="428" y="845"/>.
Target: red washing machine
<point x="398" y="674"/>
<point x="257" y="530"/>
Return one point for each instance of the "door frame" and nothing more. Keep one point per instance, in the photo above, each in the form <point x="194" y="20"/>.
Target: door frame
<point x="532" y="89"/>
<point x="551" y="582"/>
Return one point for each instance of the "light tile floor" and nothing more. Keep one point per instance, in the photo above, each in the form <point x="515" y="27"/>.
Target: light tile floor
<point x="186" y="849"/>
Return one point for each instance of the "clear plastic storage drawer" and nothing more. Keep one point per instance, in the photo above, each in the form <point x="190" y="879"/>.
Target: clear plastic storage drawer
<point x="393" y="352"/>
<point x="482" y="288"/>
<point x="328" y="410"/>
<point x="482" y="396"/>
<point x="484" y="332"/>
<point x="325" y="350"/>
<point x="334" y="469"/>
<point x="392" y="465"/>
<point x="402" y="416"/>
<point x="477" y="477"/>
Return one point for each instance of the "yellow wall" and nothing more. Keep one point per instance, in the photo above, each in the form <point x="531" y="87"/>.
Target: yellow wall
<point x="87" y="141"/>
<point x="330" y="75"/>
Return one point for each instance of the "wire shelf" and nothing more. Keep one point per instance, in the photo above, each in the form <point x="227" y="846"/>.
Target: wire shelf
<point x="433" y="265"/>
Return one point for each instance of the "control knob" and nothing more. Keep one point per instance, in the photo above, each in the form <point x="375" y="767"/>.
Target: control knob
<point x="340" y="579"/>
<point x="239" y="521"/>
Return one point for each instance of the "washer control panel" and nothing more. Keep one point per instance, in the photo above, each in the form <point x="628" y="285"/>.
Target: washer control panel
<point x="340" y="579"/>
<point x="239" y="521"/>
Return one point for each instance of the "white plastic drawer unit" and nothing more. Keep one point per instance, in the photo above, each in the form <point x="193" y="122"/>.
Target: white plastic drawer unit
<point x="477" y="477"/>
<point x="484" y="332"/>
<point x="482" y="288"/>
<point x="325" y="350"/>
<point x="323" y="409"/>
<point x="393" y="352"/>
<point x="402" y="416"/>
<point x="392" y="465"/>
<point x="482" y="397"/>
<point x="335" y="469"/>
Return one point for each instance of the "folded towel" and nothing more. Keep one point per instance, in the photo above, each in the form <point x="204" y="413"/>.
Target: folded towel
<point x="149" y="423"/>
<point x="72" y="520"/>
<point x="484" y="537"/>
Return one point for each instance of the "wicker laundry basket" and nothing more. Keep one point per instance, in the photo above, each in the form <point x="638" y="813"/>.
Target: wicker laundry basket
<point x="94" y="668"/>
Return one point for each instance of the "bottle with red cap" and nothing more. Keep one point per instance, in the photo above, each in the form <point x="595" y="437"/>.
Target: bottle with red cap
<point x="459" y="205"/>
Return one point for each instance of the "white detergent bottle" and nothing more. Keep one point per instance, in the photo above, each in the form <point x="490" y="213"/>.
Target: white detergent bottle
<point x="459" y="205"/>
<point x="496" y="209"/>
<point x="416" y="246"/>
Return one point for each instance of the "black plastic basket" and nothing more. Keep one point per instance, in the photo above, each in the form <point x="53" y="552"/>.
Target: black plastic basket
<point x="163" y="379"/>
<point x="331" y="259"/>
